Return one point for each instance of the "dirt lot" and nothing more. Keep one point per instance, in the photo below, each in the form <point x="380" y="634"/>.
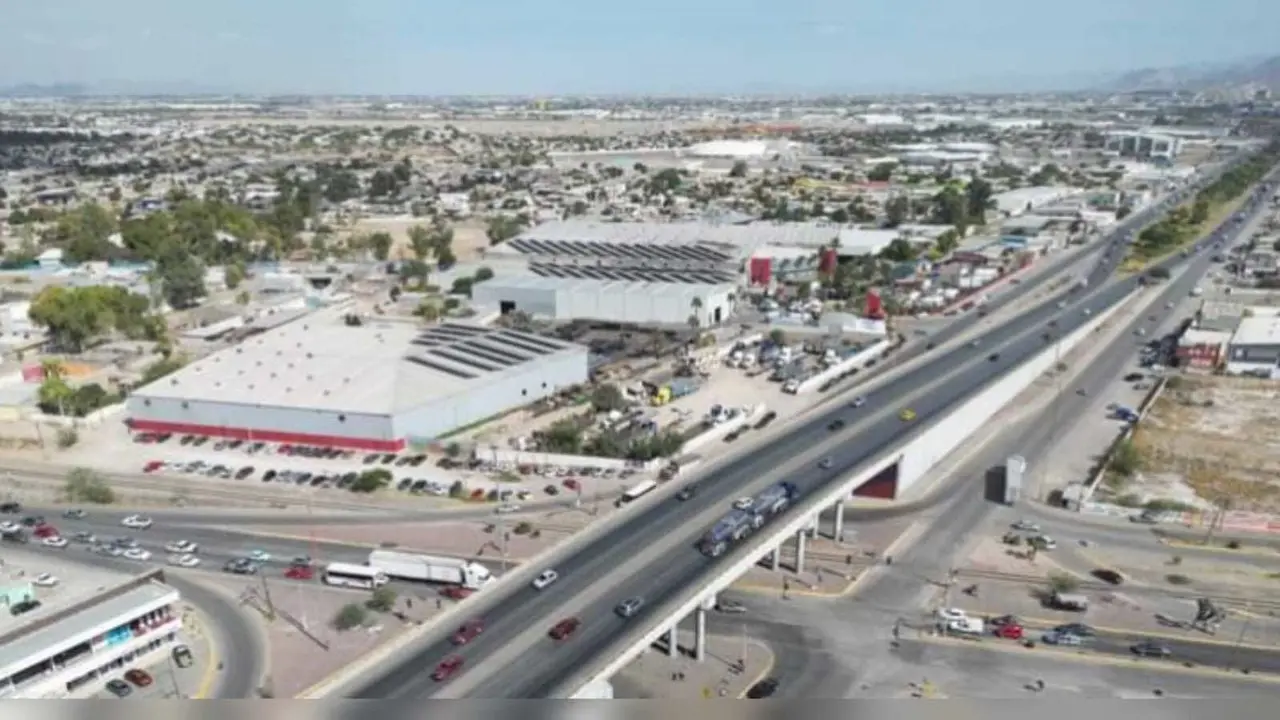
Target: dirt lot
<point x="469" y="240"/>
<point x="1218" y="435"/>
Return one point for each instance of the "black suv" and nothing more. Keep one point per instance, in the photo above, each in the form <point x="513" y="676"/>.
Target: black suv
<point x="24" y="607"/>
<point x="11" y="508"/>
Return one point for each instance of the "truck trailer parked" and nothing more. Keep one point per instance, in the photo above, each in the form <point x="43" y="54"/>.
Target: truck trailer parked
<point x="430" y="568"/>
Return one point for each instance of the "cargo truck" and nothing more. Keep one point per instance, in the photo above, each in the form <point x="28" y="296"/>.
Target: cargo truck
<point x="430" y="568"/>
<point x="1014" y="469"/>
<point x="674" y="390"/>
<point x="738" y="524"/>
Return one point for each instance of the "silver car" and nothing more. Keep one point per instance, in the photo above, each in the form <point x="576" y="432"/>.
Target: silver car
<point x="629" y="607"/>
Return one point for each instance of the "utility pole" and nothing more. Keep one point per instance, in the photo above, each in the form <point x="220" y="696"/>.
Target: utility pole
<point x="266" y="595"/>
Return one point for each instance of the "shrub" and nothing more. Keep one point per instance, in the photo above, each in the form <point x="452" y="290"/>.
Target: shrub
<point x="1062" y="582"/>
<point x="86" y="486"/>
<point x="350" y="616"/>
<point x="371" y="481"/>
<point x="383" y="600"/>
<point x="522" y="528"/>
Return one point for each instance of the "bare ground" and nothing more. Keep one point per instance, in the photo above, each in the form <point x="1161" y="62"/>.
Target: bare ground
<point x="1221" y="435"/>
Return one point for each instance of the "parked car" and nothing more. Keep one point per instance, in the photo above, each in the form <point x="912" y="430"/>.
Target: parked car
<point x="182" y="656"/>
<point x="119" y="688"/>
<point x="138" y="677"/>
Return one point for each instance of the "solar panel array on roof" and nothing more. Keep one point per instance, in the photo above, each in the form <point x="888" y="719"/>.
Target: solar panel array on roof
<point x="532" y="343"/>
<point x="446" y="369"/>
<point x="629" y="251"/>
<point x="493" y="354"/>
<point x="706" y="277"/>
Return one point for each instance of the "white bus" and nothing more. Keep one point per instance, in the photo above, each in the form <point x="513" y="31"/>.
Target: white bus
<point x="354" y="576"/>
<point x="636" y="492"/>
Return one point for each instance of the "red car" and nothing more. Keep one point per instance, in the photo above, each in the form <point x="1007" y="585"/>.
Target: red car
<point x="300" y="572"/>
<point x="1009" y="632"/>
<point x="138" y="677"/>
<point x="447" y="668"/>
<point x="1004" y="620"/>
<point x="565" y="628"/>
<point x="573" y="485"/>
<point x="152" y="466"/>
<point x="468" y="632"/>
<point x="45" y="530"/>
<point x="456" y="592"/>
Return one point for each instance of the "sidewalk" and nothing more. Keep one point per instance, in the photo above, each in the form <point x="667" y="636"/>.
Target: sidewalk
<point x="732" y="666"/>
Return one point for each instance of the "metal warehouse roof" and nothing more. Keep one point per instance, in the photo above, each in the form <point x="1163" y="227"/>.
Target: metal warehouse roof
<point x="376" y="368"/>
<point x="603" y="285"/>
<point x="659" y="252"/>
<point x="631" y="274"/>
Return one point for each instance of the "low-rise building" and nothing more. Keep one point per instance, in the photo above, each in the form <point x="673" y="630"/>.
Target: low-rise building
<point x="1254" y="348"/>
<point x="76" y="650"/>
<point x="1202" y="349"/>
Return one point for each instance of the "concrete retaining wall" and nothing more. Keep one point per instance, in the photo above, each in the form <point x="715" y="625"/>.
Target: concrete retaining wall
<point x="858" y="361"/>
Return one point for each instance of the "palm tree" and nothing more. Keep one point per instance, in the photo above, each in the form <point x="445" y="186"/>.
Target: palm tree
<point x="53" y="369"/>
<point x="696" y="304"/>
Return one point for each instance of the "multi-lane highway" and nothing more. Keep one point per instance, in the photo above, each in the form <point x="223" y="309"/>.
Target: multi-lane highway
<point x="650" y="554"/>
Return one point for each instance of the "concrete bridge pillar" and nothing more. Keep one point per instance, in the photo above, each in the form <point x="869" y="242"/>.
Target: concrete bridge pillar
<point x="775" y="557"/>
<point x="800" y="537"/>
<point x="673" y="639"/>
<point x="700" y="635"/>
<point x="839" y="524"/>
<point x="813" y="524"/>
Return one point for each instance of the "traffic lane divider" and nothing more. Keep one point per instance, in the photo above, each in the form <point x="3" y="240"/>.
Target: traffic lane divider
<point x="1096" y="658"/>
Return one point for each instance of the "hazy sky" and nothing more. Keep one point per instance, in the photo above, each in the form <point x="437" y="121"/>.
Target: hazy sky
<point x="576" y="46"/>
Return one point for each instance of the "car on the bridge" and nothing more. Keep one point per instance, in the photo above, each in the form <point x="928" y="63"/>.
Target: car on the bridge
<point x="743" y="503"/>
<point x="564" y="628"/>
<point x="825" y="463"/>
<point x="629" y="607"/>
<point x="835" y="425"/>
<point x="1061" y="638"/>
<point x="545" y="578"/>
<point x="1077" y="629"/>
<point x="56" y="541"/>
<point x="447" y="668"/>
<point x="993" y="357"/>
<point x="300" y="572"/>
<point x="137" y="522"/>
<point x="468" y="632"/>
<point x="907" y="415"/>
<point x="687" y="492"/>
<point x="1026" y="526"/>
<point x="1009" y="631"/>
<point x="858" y="402"/>
<point x="45" y="531"/>
<point x="456" y="592"/>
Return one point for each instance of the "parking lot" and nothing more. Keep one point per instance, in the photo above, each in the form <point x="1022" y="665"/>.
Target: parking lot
<point x="54" y="583"/>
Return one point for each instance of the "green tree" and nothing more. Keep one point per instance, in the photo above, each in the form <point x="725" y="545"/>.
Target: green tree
<point x="380" y="243"/>
<point x="608" y="397"/>
<point x="899" y="250"/>
<point x="420" y="241"/>
<point x="978" y="200"/>
<point x="383" y="600"/>
<point x="234" y="273"/>
<point x="349" y="617"/>
<point x="182" y="279"/>
<point x="482" y="274"/>
<point x="896" y="210"/>
<point x="881" y="172"/>
<point x="83" y="233"/>
<point x="502" y="228"/>
<point x="371" y="481"/>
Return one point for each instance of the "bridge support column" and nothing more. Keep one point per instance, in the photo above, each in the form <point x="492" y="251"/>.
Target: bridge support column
<point x="673" y="639"/>
<point x="775" y="558"/>
<point x="838" y="530"/>
<point x="700" y="635"/>
<point x="800" y="537"/>
<point x="813" y="525"/>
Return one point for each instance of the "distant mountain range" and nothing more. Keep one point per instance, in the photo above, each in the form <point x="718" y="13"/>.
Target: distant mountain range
<point x="1254" y="72"/>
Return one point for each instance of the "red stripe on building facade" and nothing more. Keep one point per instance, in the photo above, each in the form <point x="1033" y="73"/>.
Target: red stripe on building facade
<point x="270" y="436"/>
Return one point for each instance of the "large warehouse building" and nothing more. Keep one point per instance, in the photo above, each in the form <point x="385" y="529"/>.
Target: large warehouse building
<point x="376" y="386"/>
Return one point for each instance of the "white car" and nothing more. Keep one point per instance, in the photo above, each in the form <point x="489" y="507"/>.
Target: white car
<point x="181" y="547"/>
<point x="137" y="554"/>
<point x="1044" y="542"/>
<point x="10" y="527"/>
<point x="1026" y="526"/>
<point x="859" y="401"/>
<point x="545" y="578"/>
<point x="259" y="556"/>
<point x="137" y="522"/>
<point x="952" y="615"/>
<point x="507" y="509"/>
<point x="743" y="503"/>
<point x="54" y="542"/>
<point x="186" y="561"/>
<point x="45" y="580"/>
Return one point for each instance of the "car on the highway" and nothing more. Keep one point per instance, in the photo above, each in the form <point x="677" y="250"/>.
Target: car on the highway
<point x="858" y="402"/>
<point x="836" y="424"/>
<point x="45" y="580"/>
<point x="138" y="677"/>
<point x="1077" y="629"/>
<point x="743" y="503"/>
<point x="1043" y="542"/>
<point x="687" y="492"/>
<point x="907" y="415"/>
<point x="1026" y="526"/>
<point x="119" y="688"/>
<point x="1009" y="631"/>
<point x="10" y="507"/>
<point x="629" y="607"/>
<point x="181" y="547"/>
<point x="22" y="607"/>
<point x="763" y="689"/>
<point x="993" y="357"/>
<point x="137" y="554"/>
<point x="1150" y="648"/>
<point x="1062" y="638"/>
<point x="137" y="522"/>
<point x="75" y="514"/>
<point x="730" y="607"/>
<point x="447" y="668"/>
<point x="240" y="566"/>
<point x="565" y="628"/>
<point x="9" y="527"/>
<point x="185" y="561"/>
<point x="825" y="463"/>
<point x="300" y="572"/>
<point x="259" y="556"/>
<point x="45" y="531"/>
<point x="468" y="632"/>
<point x="55" y="541"/>
<point x="545" y="578"/>
<point x="952" y="614"/>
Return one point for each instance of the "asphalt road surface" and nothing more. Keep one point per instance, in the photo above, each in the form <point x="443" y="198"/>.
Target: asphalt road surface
<point x="545" y="665"/>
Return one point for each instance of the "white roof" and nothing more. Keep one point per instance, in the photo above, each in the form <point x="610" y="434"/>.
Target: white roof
<point x="1196" y="336"/>
<point x="1014" y="202"/>
<point x="743" y="237"/>
<point x="376" y="368"/>
<point x="1257" y="331"/>
<point x="731" y="148"/>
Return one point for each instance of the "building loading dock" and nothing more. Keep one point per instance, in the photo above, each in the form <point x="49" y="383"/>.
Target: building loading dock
<point x="378" y="385"/>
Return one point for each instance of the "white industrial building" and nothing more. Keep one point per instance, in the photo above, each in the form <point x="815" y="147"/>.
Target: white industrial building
<point x="634" y="302"/>
<point x="1255" y="347"/>
<point x="1147" y="145"/>
<point x="340" y="381"/>
<point x="75" y="650"/>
